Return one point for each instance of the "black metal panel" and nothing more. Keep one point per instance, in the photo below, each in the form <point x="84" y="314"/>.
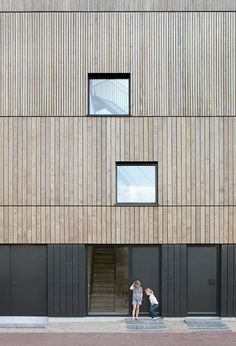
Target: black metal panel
<point x="145" y="266"/>
<point x="23" y="280"/>
<point x="66" y="280"/>
<point x="183" y="280"/>
<point x="82" y="282"/>
<point x="75" y="282"/>
<point x="28" y="280"/>
<point x="203" y="280"/>
<point x="228" y="280"/>
<point x="4" y="280"/>
<point x="173" y="280"/>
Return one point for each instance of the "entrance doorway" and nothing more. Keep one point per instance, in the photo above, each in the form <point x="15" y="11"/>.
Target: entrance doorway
<point x="108" y="280"/>
<point x="203" y="280"/>
<point x="112" y="270"/>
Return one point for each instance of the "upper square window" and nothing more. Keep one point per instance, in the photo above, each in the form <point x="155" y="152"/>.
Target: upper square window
<point x="136" y="183"/>
<point x="109" y="94"/>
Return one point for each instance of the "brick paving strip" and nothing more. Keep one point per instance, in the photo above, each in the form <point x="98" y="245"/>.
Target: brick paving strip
<point x="121" y="339"/>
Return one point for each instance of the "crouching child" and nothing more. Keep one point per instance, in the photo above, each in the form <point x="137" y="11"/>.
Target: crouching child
<point x="154" y="303"/>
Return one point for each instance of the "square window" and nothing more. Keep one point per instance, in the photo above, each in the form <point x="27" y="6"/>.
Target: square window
<point x="136" y="183"/>
<point x="109" y="94"/>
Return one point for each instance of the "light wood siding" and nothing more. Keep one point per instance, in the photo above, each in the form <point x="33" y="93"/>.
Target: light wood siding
<point x="58" y="180"/>
<point x="118" y="5"/>
<point x="57" y="172"/>
<point x="117" y="225"/>
<point x="72" y="161"/>
<point x="181" y="64"/>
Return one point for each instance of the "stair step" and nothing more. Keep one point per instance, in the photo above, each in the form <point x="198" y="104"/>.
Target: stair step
<point x="103" y="283"/>
<point x="101" y="296"/>
<point x="103" y="300"/>
<point x="101" y="275"/>
<point x="99" y="291"/>
<point x="102" y="307"/>
<point x="102" y="267"/>
<point x="103" y="288"/>
<point x="104" y="261"/>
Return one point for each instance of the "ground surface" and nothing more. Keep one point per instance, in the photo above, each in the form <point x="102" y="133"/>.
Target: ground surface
<point x="113" y="332"/>
<point x="101" y="339"/>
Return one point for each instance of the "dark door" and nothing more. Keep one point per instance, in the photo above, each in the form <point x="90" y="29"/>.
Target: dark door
<point x="23" y="280"/>
<point x="145" y="266"/>
<point x="203" y="280"/>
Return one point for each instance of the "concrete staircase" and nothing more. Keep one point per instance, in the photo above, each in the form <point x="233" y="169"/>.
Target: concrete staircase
<point x="103" y="280"/>
<point x="200" y="325"/>
<point x="146" y="325"/>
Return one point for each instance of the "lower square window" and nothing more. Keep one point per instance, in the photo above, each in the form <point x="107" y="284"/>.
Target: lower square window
<point x="136" y="183"/>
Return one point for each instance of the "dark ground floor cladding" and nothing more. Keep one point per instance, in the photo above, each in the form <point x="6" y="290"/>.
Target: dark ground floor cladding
<point x="65" y="280"/>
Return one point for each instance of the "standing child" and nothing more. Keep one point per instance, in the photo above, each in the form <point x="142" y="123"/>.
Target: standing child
<point x="154" y="303"/>
<point x="137" y="298"/>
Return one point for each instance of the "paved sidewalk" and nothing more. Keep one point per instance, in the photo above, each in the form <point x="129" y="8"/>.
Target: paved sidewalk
<point x="103" y="325"/>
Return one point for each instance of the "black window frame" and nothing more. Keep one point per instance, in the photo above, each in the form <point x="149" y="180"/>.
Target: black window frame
<point x="138" y="163"/>
<point x="124" y="75"/>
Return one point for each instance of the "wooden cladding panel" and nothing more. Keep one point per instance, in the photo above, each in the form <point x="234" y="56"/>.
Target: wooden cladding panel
<point x="118" y="5"/>
<point x="118" y="225"/>
<point x="72" y="161"/>
<point x="181" y="63"/>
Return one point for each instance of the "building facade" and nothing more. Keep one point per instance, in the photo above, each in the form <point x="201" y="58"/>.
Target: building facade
<point x="118" y="156"/>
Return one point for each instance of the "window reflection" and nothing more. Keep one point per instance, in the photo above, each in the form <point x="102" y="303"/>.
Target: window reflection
<point x="136" y="184"/>
<point x="109" y="96"/>
<point x="108" y="282"/>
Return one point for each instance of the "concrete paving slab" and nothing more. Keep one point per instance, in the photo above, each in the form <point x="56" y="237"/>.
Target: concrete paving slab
<point x="206" y="325"/>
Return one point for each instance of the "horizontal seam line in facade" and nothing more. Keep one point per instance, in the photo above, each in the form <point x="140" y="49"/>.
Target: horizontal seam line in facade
<point x="117" y="206"/>
<point x="118" y="11"/>
<point x="118" y="117"/>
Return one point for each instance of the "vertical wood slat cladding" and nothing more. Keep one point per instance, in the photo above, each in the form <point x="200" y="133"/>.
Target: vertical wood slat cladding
<point x="118" y="225"/>
<point x="72" y="161"/>
<point x="181" y="64"/>
<point x="118" y="5"/>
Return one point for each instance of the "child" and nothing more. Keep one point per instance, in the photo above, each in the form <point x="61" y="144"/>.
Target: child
<point x="154" y="303"/>
<point x="137" y="298"/>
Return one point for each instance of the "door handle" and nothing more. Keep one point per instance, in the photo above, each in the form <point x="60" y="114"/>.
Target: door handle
<point x="212" y="281"/>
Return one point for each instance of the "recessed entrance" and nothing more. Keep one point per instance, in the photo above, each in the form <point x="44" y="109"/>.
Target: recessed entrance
<point x="111" y="271"/>
<point x="108" y="280"/>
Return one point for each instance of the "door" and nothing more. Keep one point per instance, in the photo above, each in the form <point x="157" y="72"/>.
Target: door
<point x="23" y="280"/>
<point x="202" y="279"/>
<point x="145" y="266"/>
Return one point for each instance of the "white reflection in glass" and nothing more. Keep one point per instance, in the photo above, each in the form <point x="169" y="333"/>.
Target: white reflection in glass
<point x="109" y="96"/>
<point x="136" y="184"/>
